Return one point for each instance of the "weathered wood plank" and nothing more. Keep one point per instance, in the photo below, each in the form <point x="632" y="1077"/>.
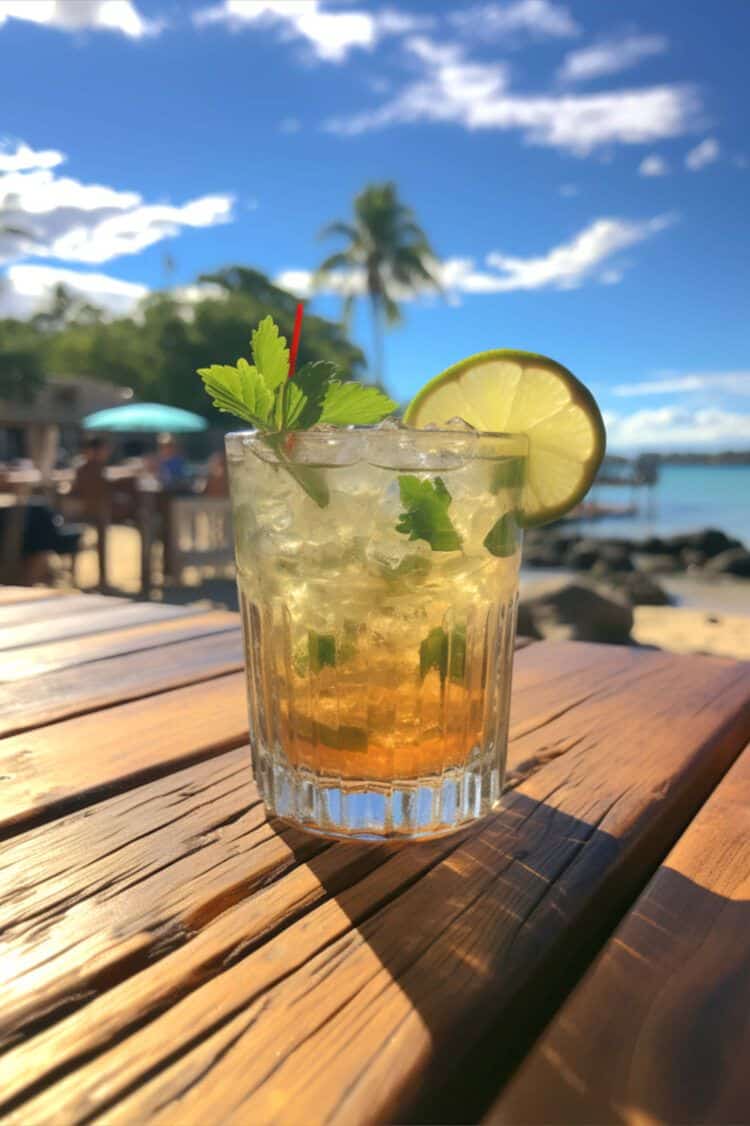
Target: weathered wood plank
<point x="348" y="1012"/>
<point x="75" y="691"/>
<point x="153" y="869"/>
<point x="48" y="609"/>
<point x="34" y="660"/>
<point x="659" y="1030"/>
<point x="12" y="595"/>
<point x="56" y="628"/>
<point x="68" y="764"/>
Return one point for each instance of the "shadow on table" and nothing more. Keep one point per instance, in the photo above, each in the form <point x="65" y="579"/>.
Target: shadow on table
<point x="487" y="931"/>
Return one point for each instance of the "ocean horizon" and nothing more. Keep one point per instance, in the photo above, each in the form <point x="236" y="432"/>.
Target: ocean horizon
<point x="686" y="499"/>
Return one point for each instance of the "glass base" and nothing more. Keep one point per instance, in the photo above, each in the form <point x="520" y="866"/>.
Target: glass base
<point x="403" y="809"/>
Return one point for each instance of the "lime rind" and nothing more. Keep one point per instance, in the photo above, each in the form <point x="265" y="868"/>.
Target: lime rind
<point x="569" y="435"/>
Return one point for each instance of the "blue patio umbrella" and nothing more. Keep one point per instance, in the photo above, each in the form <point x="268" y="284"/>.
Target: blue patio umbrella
<point x="147" y="418"/>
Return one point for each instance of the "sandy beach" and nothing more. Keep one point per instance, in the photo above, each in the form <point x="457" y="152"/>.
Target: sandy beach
<point x="711" y="616"/>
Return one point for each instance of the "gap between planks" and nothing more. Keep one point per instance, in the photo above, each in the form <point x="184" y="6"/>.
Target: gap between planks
<point x="460" y="910"/>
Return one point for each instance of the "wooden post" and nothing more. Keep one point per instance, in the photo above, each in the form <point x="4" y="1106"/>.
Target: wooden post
<point x="146" y="528"/>
<point x="102" y="527"/>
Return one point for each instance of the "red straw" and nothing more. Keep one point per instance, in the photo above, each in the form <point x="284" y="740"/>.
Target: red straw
<point x="295" y="339"/>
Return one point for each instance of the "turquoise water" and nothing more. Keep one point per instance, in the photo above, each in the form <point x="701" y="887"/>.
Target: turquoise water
<point x="686" y="498"/>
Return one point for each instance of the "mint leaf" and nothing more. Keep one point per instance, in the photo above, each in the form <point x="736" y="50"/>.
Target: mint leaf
<point x="501" y="540"/>
<point x="289" y="402"/>
<point x="445" y="652"/>
<point x="426" y="516"/>
<point x="307" y="477"/>
<point x="270" y="353"/>
<point x="321" y="650"/>
<point x="507" y="474"/>
<point x="354" y="404"/>
<point x="238" y="390"/>
<point x="313" y="379"/>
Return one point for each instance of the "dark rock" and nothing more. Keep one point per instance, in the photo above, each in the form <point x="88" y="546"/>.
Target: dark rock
<point x="691" y="557"/>
<point x="612" y="558"/>
<point x="709" y="541"/>
<point x="542" y="555"/>
<point x="638" y="589"/>
<point x="654" y="545"/>
<point x="576" y="612"/>
<point x="658" y="564"/>
<point x="735" y="561"/>
<point x="581" y="556"/>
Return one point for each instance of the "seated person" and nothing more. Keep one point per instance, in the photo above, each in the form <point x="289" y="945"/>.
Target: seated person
<point x="89" y="484"/>
<point x="216" y="481"/>
<point x="171" y="466"/>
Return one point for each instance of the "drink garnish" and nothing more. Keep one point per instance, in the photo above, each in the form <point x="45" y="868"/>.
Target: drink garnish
<point x="445" y="652"/>
<point x="524" y="393"/>
<point x="502" y="539"/>
<point x="275" y="400"/>
<point x="261" y="394"/>
<point x="426" y="516"/>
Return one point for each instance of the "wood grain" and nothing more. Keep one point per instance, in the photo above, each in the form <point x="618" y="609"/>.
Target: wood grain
<point x="49" y="609"/>
<point x="75" y="691"/>
<point x="34" y="660"/>
<point x="659" y="1030"/>
<point x="50" y="629"/>
<point x="74" y="762"/>
<point x="382" y="990"/>
<point x="12" y="595"/>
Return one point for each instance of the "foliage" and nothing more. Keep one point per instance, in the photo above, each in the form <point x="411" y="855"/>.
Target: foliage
<point x="426" y="505"/>
<point x="21" y="369"/>
<point x="157" y="349"/>
<point x="386" y="247"/>
<point x="261" y="394"/>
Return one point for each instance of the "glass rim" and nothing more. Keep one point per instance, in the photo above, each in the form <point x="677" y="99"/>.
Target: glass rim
<point x="518" y="441"/>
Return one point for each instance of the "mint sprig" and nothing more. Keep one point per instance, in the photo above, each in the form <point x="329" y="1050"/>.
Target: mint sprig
<point x="445" y="652"/>
<point x="426" y="516"/>
<point x="261" y="394"/>
<point x="502" y="538"/>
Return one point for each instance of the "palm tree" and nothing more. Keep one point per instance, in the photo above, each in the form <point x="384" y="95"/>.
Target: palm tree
<point x="386" y="245"/>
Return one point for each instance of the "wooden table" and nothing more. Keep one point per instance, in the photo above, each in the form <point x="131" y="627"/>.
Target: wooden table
<point x="171" y="956"/>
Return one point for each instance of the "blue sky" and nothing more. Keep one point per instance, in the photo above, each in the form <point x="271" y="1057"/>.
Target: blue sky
<point x="582" y="170"/>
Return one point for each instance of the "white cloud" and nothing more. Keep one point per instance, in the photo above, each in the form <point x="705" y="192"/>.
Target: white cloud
<point x="538" y="18"/>
<point x="567" y="191"/>
<point x="60" y="217"/>
<point x="610" y="56"/>
<point x="331" y="35"/>
<point x="26" y="290"/>
<point x="82" y="15"/>
<point x="565" y="266"/>
<point x="704" y="153"/>
<point x="672" y="426"/>
<point x="568" y="265"/>
<point x="290" y="125"/>
<point x="25" y="158"/>
<point x="733" y="382"/>
<point x="653" y="165"/>
<point x="476" y="95"/>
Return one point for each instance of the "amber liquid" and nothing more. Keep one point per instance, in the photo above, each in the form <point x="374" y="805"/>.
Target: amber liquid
<point x="376" y="665"/>
<point x="384" y="698"/>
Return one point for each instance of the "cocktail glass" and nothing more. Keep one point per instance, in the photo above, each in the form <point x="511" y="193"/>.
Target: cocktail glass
<point x="377" y="570"/>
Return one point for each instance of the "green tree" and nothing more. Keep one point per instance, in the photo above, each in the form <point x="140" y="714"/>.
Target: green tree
<point x="156" y="350"/>
<point x="388" y="249"/>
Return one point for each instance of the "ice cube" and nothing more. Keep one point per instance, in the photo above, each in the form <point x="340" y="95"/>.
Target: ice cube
<point x="459" y="424"/>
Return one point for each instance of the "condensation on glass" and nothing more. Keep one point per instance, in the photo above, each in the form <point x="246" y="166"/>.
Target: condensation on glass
<point x="378" y="664"/>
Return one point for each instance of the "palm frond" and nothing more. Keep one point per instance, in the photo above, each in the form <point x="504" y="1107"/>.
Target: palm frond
<point x="392" y="312"/>
<point x="346" y="230"/>
<point x="341" y="260"/>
